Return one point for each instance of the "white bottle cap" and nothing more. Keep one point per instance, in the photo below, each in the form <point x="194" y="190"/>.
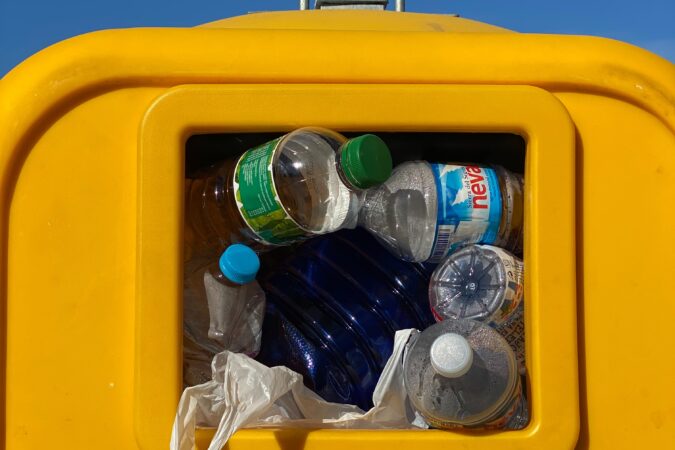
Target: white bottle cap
<point x="451" y="355"/>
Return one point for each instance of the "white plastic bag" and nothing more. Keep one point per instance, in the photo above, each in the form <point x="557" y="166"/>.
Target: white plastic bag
<point x="245" y="393"/>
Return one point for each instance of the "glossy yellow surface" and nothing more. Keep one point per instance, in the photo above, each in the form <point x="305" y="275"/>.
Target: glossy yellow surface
<point x="91" y="134"/>
<point x="365" y="20"/>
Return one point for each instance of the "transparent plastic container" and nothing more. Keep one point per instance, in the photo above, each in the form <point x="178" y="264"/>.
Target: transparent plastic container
<point x="304" y="183"/>
<point x="479" y="282"/>
<point x="463" y="374"/>
<point x="424" y="211"/>
<point x="483" y="283"/>
<point x="223" y="310"/>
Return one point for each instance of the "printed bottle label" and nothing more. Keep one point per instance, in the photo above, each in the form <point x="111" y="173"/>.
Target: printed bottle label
<point x="513" y="330"/>
<point x="469" y="207"/>
<point x="513" y="293"/>
<point x="512" y="201"/>
<point x="258" y="200"/>
<point x="516" y="404"/>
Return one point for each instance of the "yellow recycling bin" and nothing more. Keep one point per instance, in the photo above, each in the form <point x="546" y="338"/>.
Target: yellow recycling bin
<point x="93" y="134"/>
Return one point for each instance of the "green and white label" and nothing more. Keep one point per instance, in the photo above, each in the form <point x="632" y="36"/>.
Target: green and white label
<point x="258" y="200"/>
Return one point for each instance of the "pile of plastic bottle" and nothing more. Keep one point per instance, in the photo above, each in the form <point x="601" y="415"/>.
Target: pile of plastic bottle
<point x="351" y="252"/>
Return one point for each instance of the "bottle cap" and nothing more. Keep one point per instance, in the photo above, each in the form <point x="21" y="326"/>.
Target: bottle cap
<point x="451" y="355"/>
<point x="239" y="264"/>
<point x="366" y="161"/>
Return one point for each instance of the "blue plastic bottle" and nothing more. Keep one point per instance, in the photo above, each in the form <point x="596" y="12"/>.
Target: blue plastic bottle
<point x="333" y="308"/>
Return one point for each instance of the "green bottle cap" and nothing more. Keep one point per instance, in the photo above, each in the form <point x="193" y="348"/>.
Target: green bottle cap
<point x="366" y="161"/>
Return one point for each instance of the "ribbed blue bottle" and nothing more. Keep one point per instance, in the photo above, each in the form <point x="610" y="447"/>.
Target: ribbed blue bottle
<point x="333" y="307"/>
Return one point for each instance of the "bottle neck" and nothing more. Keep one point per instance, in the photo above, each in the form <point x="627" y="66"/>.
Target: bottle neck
<point x="217" y="274"/>
<point x="339" y="166"/>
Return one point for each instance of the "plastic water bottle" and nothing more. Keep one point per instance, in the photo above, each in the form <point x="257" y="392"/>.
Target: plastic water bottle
<point x="483" y="283"/>
<point x="479" y="282"/>
<point x="425" y="211"/>
<point x="334" y="305"/>
<point x="223" y="310"/>
<point x="463" y="374"/>
<point x="304" y="183"/>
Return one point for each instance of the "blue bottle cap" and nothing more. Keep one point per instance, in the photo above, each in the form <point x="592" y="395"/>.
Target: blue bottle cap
<point x="239" y="264"/>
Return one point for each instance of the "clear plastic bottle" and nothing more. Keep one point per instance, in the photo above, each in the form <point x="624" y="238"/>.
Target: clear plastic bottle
<point x="223" y="310"/>
<point x="479" y="282"/>
<point x="463" y="374"/>
<point x="483" y="283"/>
<point x="425" y="211"/>
<point x="304" y="183"/>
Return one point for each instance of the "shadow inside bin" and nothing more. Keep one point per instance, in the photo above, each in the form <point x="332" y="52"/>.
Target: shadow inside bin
<point x="584" y="437"/>
<point x="504" y="149"/>
<point x="286" y="438"/>
<point x="292" y="439"/>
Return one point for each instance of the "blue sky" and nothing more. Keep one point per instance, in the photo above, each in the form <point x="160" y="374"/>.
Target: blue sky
<point x="27" y="26"/>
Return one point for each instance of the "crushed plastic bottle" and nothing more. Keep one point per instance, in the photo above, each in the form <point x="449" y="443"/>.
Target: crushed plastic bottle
<point x="425" y="211"/>
<point x="463" y="374"/>
<point x="224" y="310"/>
<point x="304" y="183"/>
<point x="483" y="283"/>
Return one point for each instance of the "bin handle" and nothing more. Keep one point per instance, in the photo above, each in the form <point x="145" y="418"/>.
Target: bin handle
<point x="352" y="4"/>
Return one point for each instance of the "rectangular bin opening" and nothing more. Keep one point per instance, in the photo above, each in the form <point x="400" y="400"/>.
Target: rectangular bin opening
<point x="204" y="150"/>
